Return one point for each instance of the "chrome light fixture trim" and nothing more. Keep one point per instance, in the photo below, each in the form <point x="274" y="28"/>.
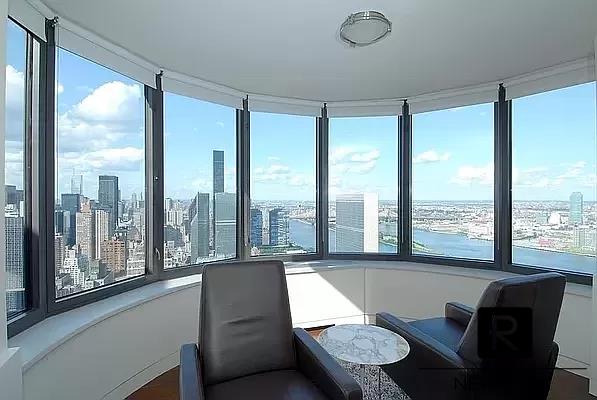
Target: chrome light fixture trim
<point x="360" y="17"/>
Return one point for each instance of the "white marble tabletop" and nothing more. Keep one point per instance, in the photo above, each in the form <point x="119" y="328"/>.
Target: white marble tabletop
<point x="364" y="344"/>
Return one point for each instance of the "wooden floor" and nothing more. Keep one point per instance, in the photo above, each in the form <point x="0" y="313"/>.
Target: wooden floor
<point x="565" y="386"/>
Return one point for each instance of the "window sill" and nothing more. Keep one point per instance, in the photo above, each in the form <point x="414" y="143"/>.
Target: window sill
<point x="47" y="335"/>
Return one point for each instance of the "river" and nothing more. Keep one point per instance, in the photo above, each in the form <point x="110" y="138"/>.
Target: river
<point x="455" y="245"/>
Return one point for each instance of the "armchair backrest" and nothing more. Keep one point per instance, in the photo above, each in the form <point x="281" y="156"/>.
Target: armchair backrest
<point x="543" y="293"/>
<point x="245" y="325"/>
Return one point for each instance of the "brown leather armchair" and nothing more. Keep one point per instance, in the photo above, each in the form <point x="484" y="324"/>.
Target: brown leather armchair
<point x="444" y="360"/>
<point x="247" y="348"/>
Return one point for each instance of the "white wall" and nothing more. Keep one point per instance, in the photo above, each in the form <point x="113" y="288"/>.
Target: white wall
<point x="118" y="355"/>
<point x="111" y="359"/>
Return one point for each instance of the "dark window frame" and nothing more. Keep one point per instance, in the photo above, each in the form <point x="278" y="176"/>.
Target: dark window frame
<point x="40" y="117"/>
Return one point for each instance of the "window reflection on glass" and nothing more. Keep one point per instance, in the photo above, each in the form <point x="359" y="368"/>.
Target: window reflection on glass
<point x="99" y="219"/>
<point x="200" y="182"/>
<point x="553" y="209"/>
<point x="363" y="185"/>
<point x="283" y="208"/>
<point x="452" y="183"/>
<point x="15" y="208"/>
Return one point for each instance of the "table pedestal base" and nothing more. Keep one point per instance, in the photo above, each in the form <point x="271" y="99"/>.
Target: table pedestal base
<point x="375" y="383"/>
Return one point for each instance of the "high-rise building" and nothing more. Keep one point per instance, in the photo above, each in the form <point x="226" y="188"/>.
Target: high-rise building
<point x="108" y="196"/>
<point x="113" y="253"/>
<point x="357" y="227"/>
<point x="256" y="236"/>
<point x="218" y="185"/>
<point x="199" y="217"/>
<point x="278" y="227"/>
<point x="101" y="229"/>
<point x="225" y="224"/>
<point x="579" y="236"/>
<point x="84" y="229"/>
<point x="168" y="203"/>
<point x="218" y="171"/>
<point x="15" y="289"/>
<point x="72" y="203"/>
<point x="58" y="251"/>
<point x="576" y="205"/>
<point x="76" y="184"/>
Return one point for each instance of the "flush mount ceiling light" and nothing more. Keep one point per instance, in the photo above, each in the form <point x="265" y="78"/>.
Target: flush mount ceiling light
<point x="365" y="28"/>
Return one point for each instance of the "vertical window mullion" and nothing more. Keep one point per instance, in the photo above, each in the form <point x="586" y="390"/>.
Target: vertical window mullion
<point x="154" y="178"/>
<point x="243" y="182"/>
<point x="47" y="162"/>
<point x="322" y="188"/>
<point x="405" y="178"/>
<point x="503" y="182"/>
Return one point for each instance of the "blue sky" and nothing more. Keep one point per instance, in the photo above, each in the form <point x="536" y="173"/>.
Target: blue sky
<point x="100" y="131"/>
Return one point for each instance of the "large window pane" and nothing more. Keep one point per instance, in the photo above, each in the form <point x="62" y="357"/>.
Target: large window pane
<point x="282" y="184"/>
<point x="200" y="182"/>
<point x="452" y="183"/>
<point x="363" y="185"/>
<point x="15" y="209"/>
<point x="100" y="176"/>
<point x="554" y="156"/>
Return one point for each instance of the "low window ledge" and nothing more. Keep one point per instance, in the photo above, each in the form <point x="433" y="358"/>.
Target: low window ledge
<point x="44" y="337"/>
<point x="49" y="334"/>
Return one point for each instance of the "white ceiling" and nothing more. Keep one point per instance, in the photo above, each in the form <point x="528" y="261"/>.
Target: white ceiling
<point x="291" y="48"/>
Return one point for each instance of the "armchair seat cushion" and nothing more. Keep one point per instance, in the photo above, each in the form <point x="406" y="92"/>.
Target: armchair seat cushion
<point x="444" y="330"/>
<point x="284" y="384"/>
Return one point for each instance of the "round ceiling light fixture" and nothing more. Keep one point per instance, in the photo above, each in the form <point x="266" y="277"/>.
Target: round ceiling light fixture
<point x="365" y="28"/>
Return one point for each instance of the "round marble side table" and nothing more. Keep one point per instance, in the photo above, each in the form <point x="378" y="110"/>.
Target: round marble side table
<point x="369" y="346"/>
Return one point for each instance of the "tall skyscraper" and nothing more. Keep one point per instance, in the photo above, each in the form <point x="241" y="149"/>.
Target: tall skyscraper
<point x="357" y="223"/>
<point x="576" y="205"/>
<point x="199" y="217"/>
<point x="72" y="203"/>
<point x="15" y="289"/>
<point x="218" y="171"/>
<point x="256" y="235"/>
<point x="101" y="228"/>
<point x="225" y="224"/>
<point x="108" y="196"/>
<point x="58" y="251"/>
<point x="76" y="184"/>
<point x="278" y="227"/>
<point x="218" y="185"/>
<point x="84" y="234"/>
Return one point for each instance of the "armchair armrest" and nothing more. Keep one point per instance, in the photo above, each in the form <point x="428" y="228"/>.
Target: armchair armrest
<point x="428" y="352"/>
<point x="190" y="381"/>
<point x="321" y="368"/>
<point x="459" y="312"/>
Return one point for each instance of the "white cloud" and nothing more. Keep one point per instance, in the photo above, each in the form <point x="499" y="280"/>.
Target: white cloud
<point x="60" y="88"/>
<point x="353" y="160"/>
<point x="281" y="174"/>
<point x="111" y="102"/>
<point x="111" y="159"/>
<point x="109" y="113"/>
<point x="470" y="175"/>
<point x="541" y="177"/>
<point x="430" y="156"/>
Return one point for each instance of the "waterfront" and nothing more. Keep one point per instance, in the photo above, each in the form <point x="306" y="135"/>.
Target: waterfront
<point x="457" y="245"/>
